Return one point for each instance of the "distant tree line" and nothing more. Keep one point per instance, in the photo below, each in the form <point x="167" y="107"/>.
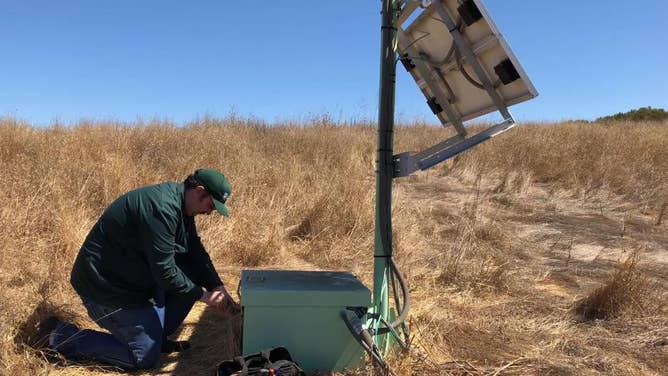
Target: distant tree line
<point x="640" y="114"/>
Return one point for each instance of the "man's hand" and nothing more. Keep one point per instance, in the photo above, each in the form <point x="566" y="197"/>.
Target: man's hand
<point x="213" y="299"/>
<point x="231" y="305"/>
<point x="220" y="299"/>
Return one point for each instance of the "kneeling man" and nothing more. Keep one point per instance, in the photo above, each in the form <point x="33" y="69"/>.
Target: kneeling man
<point x="140" y="270"/>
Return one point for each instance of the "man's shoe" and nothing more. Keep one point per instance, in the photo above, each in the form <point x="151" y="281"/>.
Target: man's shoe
<point x="169" y="346"/>
<point x="43" y="330"/>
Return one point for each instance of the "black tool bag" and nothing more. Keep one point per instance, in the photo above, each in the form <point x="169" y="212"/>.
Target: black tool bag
<point x="276" y="361"/>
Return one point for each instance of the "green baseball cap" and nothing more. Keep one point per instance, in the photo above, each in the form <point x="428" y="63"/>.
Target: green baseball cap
<point x="217" y="186"/>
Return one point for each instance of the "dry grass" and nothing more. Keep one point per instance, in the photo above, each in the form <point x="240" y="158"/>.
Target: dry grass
<point x="488" y="299"/>
<point x="628" y="290"/>
<point x="626" y="158"/>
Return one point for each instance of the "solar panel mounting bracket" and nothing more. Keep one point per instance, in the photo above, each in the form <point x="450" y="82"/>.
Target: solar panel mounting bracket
<point x="408" y="162"/>
<point x="496" y="79"/>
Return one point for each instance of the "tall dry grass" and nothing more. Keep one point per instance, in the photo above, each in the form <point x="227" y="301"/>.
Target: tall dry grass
<point x="626" y="158"/>
<point x="303" y="195"/>
<point x="628" y="290"/>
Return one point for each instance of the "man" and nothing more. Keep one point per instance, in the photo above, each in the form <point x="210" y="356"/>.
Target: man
<point x="141" y="269"/>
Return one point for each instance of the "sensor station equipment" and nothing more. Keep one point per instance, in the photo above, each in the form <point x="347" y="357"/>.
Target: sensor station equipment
<point x="465" y="69"/>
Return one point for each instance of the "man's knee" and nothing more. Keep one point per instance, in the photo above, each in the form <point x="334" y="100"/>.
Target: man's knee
<point x="148" y="357"/>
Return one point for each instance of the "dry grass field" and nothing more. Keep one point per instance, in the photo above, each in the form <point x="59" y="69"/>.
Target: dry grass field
<point x="541" y="252"/>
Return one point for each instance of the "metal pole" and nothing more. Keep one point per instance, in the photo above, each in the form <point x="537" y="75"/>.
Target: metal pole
<point x="384" y="165"/>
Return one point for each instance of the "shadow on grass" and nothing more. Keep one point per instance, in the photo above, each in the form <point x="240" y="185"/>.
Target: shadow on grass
<point x="213" y="338"/>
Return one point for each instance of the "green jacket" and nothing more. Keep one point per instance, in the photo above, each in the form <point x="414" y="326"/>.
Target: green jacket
<point x="142" y="244"/>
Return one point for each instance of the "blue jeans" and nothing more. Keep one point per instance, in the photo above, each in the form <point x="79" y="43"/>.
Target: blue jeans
<point x="136" y="333"/>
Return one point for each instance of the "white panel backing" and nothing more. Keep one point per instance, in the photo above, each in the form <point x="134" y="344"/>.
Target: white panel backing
<point x="438" y="63"/>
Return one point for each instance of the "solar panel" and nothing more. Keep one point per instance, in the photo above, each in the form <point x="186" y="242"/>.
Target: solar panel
<point x="465" y="69"/>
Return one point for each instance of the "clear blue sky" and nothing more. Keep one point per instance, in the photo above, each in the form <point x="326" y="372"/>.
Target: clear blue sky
<point x="289" y="60"/>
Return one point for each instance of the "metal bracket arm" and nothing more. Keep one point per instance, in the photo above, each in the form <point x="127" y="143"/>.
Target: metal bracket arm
<point x="409" y="162"/>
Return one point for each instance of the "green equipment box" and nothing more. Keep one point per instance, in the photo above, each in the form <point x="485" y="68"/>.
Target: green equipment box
<point x="301" y="311"/>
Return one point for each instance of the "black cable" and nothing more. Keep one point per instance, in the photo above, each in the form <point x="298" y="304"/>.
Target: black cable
<point x="424" y="35"/>
<point x="458" y="57"/>
<point x="402" y="308"/>
<point x="397" y="303"/>
<point x="366" y="341"/>
<point x="404" y="291"/>
<point x="465" y="73"/>
<point x="447" y="56"/>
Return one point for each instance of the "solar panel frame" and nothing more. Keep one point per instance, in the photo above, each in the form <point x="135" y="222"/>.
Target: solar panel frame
<point x="464" y="72"/>
<point x="428" y="39"/>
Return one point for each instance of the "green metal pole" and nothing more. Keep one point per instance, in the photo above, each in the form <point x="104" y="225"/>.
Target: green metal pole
<point x="384" y="168"/>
